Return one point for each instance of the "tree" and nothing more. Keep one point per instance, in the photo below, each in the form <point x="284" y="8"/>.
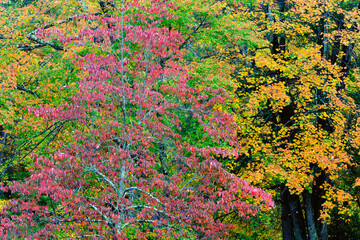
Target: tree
<point x="129" y="171"/>
<point x="36" y="71"/>
<point x="299" y="114"/>
<point x="32" y="70"/>
<point x="217" y="34"/>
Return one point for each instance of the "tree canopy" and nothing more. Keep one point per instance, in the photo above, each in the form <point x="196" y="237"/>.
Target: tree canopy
<point x="162" y="119"/>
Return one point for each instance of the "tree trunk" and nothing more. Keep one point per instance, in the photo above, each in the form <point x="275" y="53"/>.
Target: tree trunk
<point x="309" y="213"/>
<point x="292" y="218"/>
<point x="317" y="199"/>
<point x="286" y="219"/>
<point x="326" y="47"/>
<point x="297" y="216"/>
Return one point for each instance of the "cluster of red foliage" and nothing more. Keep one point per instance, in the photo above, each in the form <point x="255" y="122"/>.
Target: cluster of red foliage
<point x="128" y="171"/>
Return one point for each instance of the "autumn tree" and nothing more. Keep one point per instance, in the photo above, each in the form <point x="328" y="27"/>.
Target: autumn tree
<point x="298" y="112"/>
<point x="216" y="34"/>
<point x="35" y="71"/>
<point x="129" y="170"/>
<point x="30" y="69"/>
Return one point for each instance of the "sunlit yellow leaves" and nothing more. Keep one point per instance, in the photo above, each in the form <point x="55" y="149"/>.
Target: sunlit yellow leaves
<point x="296" y="119"/>
<point x="339" y="199"/>
<point x="3" y="202"/>
<point x="276" y="93"/>
<point x="357" y="183"/>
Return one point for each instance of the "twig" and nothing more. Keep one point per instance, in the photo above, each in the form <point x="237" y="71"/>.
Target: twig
<point x="23" y="88"/>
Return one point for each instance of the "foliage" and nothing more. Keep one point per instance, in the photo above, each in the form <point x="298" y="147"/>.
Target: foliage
<point x="128" y="171"/>
<point x="32" y="71"/>
<point x="297" y="116"/>
<point x="130" y="107"/>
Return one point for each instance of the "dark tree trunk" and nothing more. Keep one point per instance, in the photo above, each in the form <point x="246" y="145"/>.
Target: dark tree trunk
<point x="297" y="217"/>
<point x="286" y="219"/>
<point x="292" y="213"/>
<point x="317" y="200"/>
<point x="309" y="214"/>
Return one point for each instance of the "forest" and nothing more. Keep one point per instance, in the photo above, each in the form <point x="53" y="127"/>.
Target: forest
<point x="180" y="119"/>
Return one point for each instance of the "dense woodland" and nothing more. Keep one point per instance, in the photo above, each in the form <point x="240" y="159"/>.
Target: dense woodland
<point x="179" y="119"/>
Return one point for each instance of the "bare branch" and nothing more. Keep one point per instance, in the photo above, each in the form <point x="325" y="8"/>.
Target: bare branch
<point x="147" y="206"/>
<point x="104" y="177"/>
<point x="143" y="191"/>
<point x="84" y="5"/>
<point x="24" y="47"/>
<point x="188" y="182"/>
<point x="90" y="236"/>
<point x="23" y="88"/>
<point x="31" y="36"/>
<point x="106" y="218"/>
